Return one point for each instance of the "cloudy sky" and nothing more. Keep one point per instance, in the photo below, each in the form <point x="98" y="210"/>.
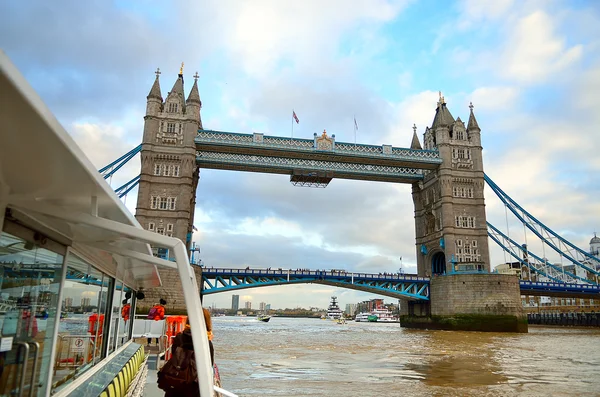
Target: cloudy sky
<point x="531" y="69"/>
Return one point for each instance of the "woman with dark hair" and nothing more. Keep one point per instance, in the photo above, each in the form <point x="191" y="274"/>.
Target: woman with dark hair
<point x="184" y="341"/>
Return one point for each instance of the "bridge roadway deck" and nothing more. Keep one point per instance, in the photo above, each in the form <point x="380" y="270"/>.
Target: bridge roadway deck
<point x="400" y="286"/>
<point x="566" y="290"/>
<point x="280" y="155"/>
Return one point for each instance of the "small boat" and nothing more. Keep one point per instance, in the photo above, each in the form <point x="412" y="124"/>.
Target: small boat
<point x="362" y="317"/>
<point x="341" y="321"/>
<point x="263" y="317"/>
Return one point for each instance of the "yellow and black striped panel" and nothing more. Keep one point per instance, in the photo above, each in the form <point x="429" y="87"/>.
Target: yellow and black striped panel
<point x="120" y="384"/>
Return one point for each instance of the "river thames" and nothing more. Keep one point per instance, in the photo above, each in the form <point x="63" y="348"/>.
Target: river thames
<point x="311" y="357"/>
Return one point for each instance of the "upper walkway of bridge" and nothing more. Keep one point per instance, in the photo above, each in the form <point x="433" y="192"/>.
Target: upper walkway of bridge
<point x="272" y="154"/>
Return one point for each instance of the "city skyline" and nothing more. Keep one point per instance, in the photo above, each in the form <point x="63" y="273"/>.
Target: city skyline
<point x="531" y="70"/>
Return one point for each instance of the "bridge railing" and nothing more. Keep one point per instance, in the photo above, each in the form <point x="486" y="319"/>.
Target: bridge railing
<point x="335" y="273"/>
<point x="590" y="287"/>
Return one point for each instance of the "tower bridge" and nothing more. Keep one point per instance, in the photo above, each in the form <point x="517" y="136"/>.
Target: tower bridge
<point x="447" y="178"/>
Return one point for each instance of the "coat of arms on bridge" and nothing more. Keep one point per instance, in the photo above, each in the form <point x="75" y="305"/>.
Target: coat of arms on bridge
<point x="324" y="142"/>
<point x="314" y="178"/>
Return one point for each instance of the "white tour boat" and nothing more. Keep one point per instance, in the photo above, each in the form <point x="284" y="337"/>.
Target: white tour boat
<point x="383" y="315"/>
<point x="362" y="317"/>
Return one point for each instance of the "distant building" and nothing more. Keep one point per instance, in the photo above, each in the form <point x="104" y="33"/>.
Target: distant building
<point x="350" y="309"/>
<point x="595" y="246"/>
<point x="85" y="302"/>
<point x="68" y="303"/>
<point x="262" y="306"/>
<point x="248" y="305"/>
<point x="369" y="306"/>
<point x="268" y="307"/>
<point x="235" y="302"/>
<point x="509" y="268"/>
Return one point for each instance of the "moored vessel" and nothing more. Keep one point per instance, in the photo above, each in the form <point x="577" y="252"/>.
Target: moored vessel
<point x="333" y="311"/>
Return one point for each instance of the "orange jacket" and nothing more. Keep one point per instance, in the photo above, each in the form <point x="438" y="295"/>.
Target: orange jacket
<point x="160" y="312"/>
<point x="125" y="311"/>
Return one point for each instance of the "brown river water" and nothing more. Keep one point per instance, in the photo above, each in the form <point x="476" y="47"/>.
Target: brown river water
<point x="311" y="357"/>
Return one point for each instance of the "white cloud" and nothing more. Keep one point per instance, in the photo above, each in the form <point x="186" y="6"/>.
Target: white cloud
<point x="534" y="51"/>
<point x="494" y="98"/>
<point x="476" y="12"/>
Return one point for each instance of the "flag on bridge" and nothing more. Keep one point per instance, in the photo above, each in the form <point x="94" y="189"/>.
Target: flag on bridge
<point x="355" y="125"/>
<point x="295" y="117"/>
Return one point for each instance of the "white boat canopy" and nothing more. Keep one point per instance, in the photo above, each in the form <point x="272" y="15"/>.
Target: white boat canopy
<point x="48" y="182"/>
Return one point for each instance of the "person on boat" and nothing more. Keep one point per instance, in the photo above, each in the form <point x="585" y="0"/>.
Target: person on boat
<point x="125" y="311"/>
<point x="184" y="340"/>
<point x="157" y="313"/>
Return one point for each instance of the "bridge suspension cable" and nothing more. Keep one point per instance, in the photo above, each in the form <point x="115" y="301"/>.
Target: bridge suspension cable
<point x="108" y="170"/>
<point x="533" y="262"/>
<point x="559" y="244"/>
<point x="126" y="188"/>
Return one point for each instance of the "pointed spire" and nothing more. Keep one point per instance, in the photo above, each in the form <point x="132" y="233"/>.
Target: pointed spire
<point x="194" y="96"/>
<point x="442" y="114"/>
<point x="472" y="120"/>
<point x="178" y="86"/>
<point x="415" y="144"/>
<point x="155" y="90"/>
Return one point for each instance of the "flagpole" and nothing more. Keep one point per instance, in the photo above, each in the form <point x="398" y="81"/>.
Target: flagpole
<point x="355" y="131"/>
<point x="292" y="123"/>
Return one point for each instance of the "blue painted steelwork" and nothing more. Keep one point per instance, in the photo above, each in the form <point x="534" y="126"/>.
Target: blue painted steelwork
<point x="586" y="291"/>
<point x="534" y="263"/>
<point x="108" y="170"/>
<point x="563" y="247"/>
<point x="399" y="286"/>
<point x="123" y="190"/>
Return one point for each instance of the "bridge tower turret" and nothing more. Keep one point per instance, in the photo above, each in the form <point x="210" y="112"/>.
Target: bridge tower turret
<point x="169" y="174"/>
<point x="450" y="219"/>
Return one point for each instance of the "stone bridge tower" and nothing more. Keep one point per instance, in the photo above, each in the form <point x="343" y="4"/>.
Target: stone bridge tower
<point x="450" y="219"/>
<point x="452" y="240"/>
<point x="169" y="176"/>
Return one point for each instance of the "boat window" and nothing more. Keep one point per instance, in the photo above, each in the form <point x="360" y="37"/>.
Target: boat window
<point x="82" y="331"/>
<point x="117" y="310"/>
<point x="30" y="278"/>
<point x="126" y="319"/>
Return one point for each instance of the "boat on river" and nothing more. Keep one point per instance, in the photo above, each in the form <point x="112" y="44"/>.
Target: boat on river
<point x="333" y="311"/>
<point x="263" y="317"/>
<point x="379" y="315"/>
<point x="383" y="315"/>
<point x="362" y="317"/>
<point x="58" y="211"/>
